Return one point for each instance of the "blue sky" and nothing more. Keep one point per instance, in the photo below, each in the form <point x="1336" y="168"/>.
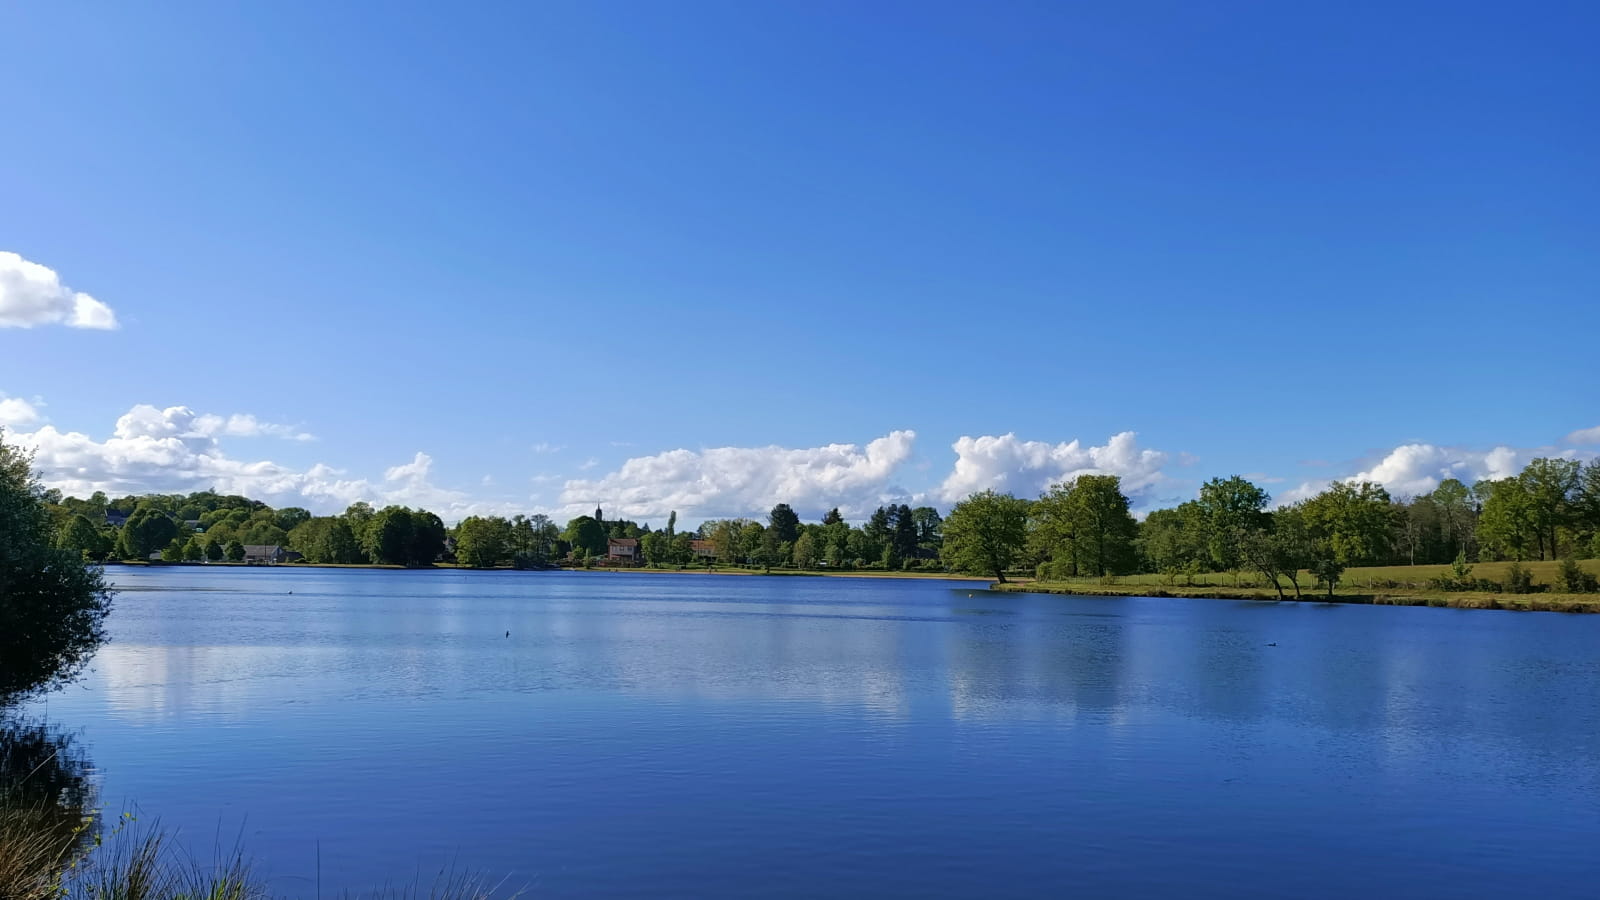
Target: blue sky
<point x="535" y="242"/>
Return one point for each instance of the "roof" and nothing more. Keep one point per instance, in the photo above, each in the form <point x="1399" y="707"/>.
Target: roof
<point x="702" y="545"/>
<point x="261" y="549"/>
<point x="622" y="542"/>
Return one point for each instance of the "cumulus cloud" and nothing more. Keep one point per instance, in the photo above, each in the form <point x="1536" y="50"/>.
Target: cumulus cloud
<point x="1027" y="468"/>
<point x="1413" y="469"/>
<point x="174" y="450"/>
<point x="16" y="411"/>
<point x="32" y="294"/>
<point x="740" y="481"/>
<point x="1585" y="436"/>
<point x="247" y="425"/>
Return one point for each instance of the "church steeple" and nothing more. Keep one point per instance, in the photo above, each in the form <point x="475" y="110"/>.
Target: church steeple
<point x="598" y="517"/>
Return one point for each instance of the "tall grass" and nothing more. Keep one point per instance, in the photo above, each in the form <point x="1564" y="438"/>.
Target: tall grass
<point x="33" y="852"/>
<point x="45" y="857"/>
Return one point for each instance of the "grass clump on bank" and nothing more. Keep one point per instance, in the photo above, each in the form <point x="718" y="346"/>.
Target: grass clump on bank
<point x="38" y="861"/>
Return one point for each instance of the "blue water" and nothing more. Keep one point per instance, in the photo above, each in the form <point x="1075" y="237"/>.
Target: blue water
<point x="715" y="736"/>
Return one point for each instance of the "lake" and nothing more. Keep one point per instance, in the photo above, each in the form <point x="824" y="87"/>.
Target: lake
<point x="714" y="736"/>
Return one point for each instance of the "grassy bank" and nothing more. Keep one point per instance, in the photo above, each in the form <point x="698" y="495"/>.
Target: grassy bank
<point x="1380" y="585"/>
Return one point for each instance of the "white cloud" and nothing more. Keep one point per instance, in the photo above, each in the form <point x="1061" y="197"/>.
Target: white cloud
<point x="1585" y="436"/>
<point x="31" y="294"/>
<point x="1413" y="469"/>
<point x="1027" y="468"/>
<point x="173" y="450"/>
<point x="247" y="425"/>
<point x="547" y="447"/>
<point x="741" y="481"/>
<point x="16" y="411"/>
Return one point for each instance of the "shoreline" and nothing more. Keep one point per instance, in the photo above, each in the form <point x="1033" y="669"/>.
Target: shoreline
<point x="1535" y="602"/>
<point x="1540" y="602"/>
<point x="643" y="570"/>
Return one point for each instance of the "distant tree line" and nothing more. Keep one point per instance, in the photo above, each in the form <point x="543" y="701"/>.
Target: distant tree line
<point x="214" y="527"/>
<point x="1080" y="528"/>
<point x="1551" y="510"/>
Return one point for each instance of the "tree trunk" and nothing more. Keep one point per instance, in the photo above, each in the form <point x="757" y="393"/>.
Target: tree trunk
<point x="1295" y="580"/>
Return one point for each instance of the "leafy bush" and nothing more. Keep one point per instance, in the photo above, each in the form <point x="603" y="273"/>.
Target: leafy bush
<point x="1520" y="581"/>
<point x="1572" y="579"/>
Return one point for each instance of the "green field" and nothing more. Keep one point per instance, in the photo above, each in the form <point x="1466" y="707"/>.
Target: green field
<point x="1390" y="585"/>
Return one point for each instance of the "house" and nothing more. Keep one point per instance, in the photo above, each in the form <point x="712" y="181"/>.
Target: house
<point x="268" y="554"/>
<point x="622" y="549"/>
<point x="703" y="549"/>
<point x="193" y="525"/>
<point x="116" y="519"/>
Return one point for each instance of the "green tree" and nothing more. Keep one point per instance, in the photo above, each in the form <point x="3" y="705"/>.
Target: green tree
<point x="1552" y="486"/>
<point x="427" y="539"/>
<point x="234" y="551"/>
<point x="388" y="539"/>
<point x="877" y="530"/>
<point x="1175" y="541"/>
<point x="985" y="532"/>
<point x="1454" y="502"/>
<point x="482" y="542"/>
<point x="264" y="532"/>
<point x="587" y="533"/>
<point x="359" y="515"/>
<point x="1053" y="531"/>
<point x="655" y="546"/>
<point x="1586" y="506"/>
<point x="1506" y="526"/>
<point x="1088" y="523"/>
<point x="725" y="541"/>
<point x="1353" y="519"/>
<point x="289" y="517"/>
<point x="785" y="522"/>
<point x="145" y="532"/>
<point x="930" y="531"/>
<point x="769" y="551"/>
<point x="805" y="551"/>
<point x="682" y="549"/>
<point x="902" y="535"/>
<point x="1326" y="568"/>
<point x="52" y="607"/>
<point x="750" y="535"/>
<point x="1232" y="509"/>
<point x="326" y="539"/>
<point x="214" y="551"/>
<point x="192" y="551"/>
<point x="82" y="537"/>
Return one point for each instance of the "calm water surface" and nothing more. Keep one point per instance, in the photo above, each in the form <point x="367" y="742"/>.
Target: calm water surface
<point x="706" y="736"/>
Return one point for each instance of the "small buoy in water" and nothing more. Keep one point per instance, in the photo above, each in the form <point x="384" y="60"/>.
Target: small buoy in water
<point x="969" y="596"/>
<point x="1272" y="644"/>
<point x="508" y="634"/>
